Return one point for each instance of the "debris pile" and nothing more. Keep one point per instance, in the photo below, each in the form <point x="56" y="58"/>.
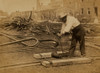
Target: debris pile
<point x="20" y="23"/>
<point x="46" y="27"/>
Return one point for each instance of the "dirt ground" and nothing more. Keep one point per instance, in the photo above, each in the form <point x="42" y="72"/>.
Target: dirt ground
<point x="18" y="54"/>
<point x="84" y="68"/>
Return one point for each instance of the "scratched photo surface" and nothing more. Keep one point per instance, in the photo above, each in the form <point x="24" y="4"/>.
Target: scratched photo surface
<point x="34" y="37"/>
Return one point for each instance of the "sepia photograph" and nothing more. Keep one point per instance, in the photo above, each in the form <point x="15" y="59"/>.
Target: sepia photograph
<point x="49" y="36"/>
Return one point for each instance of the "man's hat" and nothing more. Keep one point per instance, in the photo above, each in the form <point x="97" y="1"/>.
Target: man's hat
<point x="61" y="15"/>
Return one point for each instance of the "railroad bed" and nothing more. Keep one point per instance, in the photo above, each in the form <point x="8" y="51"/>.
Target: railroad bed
<point x="18" y="55"/>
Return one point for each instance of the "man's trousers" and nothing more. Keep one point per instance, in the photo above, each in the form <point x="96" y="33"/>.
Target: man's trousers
<point x="78" y="35"/>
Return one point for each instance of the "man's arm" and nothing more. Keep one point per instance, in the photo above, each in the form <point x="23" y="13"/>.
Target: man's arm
<point x="68" y="26"/>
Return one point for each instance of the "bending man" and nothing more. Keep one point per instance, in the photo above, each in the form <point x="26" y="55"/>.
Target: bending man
<point x="71" y="24"/>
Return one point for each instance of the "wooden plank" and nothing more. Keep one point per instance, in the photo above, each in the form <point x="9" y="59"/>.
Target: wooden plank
<point x="45" y="55"/>
<point x="46" y="63"/>
<point x="8" y="43"/>
<point x="42" y="55"/>
<point x="64" y="62"/>
<point x="70" y="61"/>
<point x="95" y="57"/>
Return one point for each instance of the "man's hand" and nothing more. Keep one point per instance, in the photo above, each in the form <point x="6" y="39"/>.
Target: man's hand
<point x="67" y="33"/>
<point x="59" y="34"/>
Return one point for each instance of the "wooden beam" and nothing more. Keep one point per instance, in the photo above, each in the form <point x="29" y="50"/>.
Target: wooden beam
<point x="46" y="55"/>
<point x="8" y="43"/>
<point x="64" y="62"/>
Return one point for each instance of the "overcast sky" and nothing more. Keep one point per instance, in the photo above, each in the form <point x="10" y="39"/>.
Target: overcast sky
<point x="19" y="5"/>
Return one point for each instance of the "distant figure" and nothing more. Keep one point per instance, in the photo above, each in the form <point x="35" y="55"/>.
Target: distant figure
<point x="71" y="24"/>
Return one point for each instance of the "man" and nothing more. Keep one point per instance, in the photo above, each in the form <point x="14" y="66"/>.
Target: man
<point x="71" y="24"/>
